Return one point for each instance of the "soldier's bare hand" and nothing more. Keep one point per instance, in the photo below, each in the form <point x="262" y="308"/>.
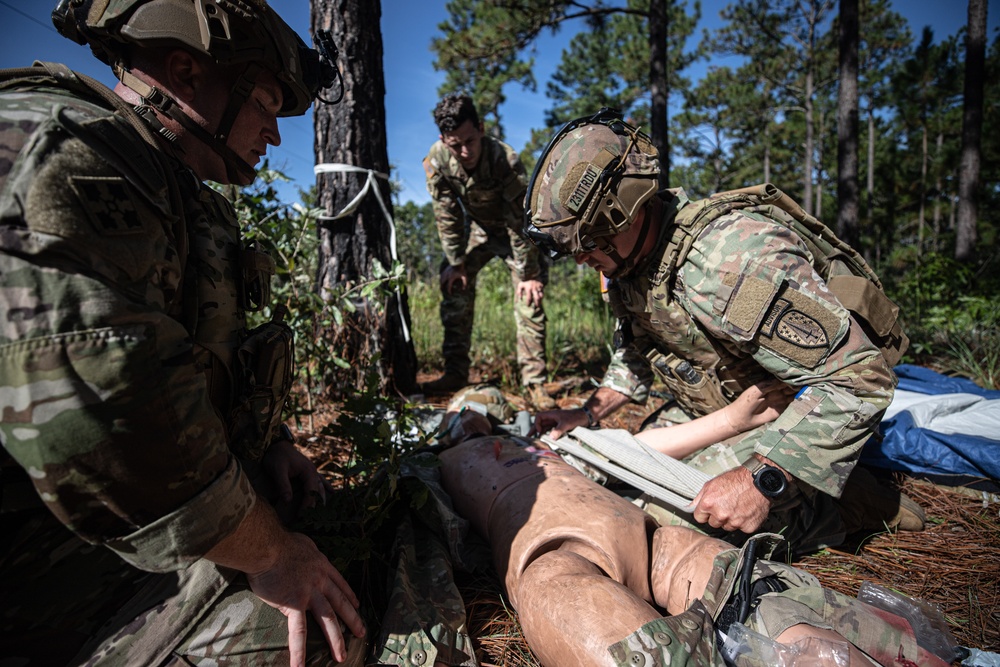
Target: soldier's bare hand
<point x="298" y="485"/>
<point x="301" y="581"/>
<point x="731" y="502"/>
<point x="530" y="291"/>
<point x="558" y="422"/>
<point x="453" y="275"/>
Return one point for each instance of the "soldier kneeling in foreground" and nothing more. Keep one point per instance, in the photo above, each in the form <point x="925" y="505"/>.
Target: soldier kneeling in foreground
<point x="596" y="581"/>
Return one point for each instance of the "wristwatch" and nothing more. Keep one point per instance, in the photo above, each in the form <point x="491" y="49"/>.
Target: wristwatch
<point x="768" y="479"/>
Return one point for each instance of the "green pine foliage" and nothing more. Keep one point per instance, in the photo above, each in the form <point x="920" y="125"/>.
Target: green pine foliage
<point x="753" y="117"/>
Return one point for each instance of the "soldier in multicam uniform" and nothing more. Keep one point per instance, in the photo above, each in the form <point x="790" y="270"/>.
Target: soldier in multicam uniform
<point x="473" y="176"/>
<point x="133" y="533"/>
<point x="596" y="583"/>
<point x="744" y="304"/>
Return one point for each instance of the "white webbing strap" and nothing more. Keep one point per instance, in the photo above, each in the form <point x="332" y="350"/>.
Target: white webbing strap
<point x="618" y="453"/>
<point x="369" y="186"/>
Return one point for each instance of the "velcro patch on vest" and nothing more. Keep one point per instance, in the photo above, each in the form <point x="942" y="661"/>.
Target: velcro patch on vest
<point x="801" y="329"/>
<point x="750" y="295"/>
<point x="582" y="189"/>
<point x="109" y="205"/>
<point x="751" y="298"/>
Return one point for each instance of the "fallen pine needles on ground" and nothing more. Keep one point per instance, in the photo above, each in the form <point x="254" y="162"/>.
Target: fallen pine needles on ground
<point x="954" y="563"/>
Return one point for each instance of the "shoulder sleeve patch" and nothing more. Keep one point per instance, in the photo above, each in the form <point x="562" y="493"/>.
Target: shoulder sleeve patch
<point x="429" y="167"/>
<point x="800" y="328"/>
<point x="109" y="204"/>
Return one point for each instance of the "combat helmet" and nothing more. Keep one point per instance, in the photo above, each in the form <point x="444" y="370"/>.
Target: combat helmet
<point x="587" y="186"/>
<point x="229" y="32"/>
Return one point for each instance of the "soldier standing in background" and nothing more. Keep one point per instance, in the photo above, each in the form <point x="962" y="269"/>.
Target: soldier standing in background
<point x="141" y="421"/>
<point x="712" y="306"/>
<point x="473" y="177"/>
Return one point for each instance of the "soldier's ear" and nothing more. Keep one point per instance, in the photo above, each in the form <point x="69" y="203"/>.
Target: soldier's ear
<point x="184" y="74"/>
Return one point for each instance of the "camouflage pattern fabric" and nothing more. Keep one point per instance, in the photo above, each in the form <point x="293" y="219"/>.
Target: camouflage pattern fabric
<point x="689" y="638"/>
<point x="807" y="519"/>
<point x="458" y="314"/>
<point x="113" y="377"/>
<point x="482" y="398"/>
<point x="747" y="304"/>
<point x="92" y="363"/>
<point x="492" y="197"/>
<point x="425" y="621"/>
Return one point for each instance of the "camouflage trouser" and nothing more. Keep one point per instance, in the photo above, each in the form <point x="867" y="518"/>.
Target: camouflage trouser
<point x="63" y="598"/>
<point x="806" y="518"/>
<point x="425" y="618"/>
<point x="458" y="313"/>
<point x="882" y="635"/>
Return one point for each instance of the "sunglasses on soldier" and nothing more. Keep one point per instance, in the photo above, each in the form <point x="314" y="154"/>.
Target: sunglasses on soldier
<point x="610" y="118"/>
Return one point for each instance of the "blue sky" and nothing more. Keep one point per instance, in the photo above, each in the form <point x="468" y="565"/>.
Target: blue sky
<point x="411" y="81"/>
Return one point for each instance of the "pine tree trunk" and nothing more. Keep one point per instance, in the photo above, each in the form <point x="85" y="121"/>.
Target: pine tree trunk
<point x="659" y="83"/>
<point x="921" y="215"/>
<point x="847" y="126"/>
<point x="810" y="148"/>
<point x="352" y="133"/>
<point x="972" y="125"/>
<point x="938" y="191"/>
<point x="870" y="176"/>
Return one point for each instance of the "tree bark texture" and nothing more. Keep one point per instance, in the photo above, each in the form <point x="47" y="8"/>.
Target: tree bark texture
<point x="847" y="127"/>
<point x="972" y="127"/>
<point x="659" y="85"/>
<point x="353" y="133"/>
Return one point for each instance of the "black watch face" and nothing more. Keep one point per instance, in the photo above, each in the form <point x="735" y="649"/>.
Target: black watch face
<point x="771" y="482"/>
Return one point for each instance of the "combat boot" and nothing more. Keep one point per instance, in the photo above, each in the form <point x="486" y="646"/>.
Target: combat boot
<point x="445" y="384"/>
<point x="540" y="398"/>
<point x="867" y="505"/>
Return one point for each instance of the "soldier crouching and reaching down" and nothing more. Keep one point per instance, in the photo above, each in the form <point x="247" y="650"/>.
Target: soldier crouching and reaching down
<point x="138" y="413"/>
<point x="714" y="296"/>
<point x="597" y="583"/>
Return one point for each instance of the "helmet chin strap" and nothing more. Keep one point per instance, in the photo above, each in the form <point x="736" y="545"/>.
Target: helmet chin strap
<point x="237" y="169"/>
<point x="626" y="265"/>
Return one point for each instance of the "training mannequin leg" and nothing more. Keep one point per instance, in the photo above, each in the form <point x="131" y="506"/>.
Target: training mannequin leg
<point x="571" y="612"/>
<point x="681" y="566"/>
<point x="527" y="505"/>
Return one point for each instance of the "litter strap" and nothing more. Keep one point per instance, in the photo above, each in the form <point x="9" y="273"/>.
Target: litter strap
<point x="369" y="186"/>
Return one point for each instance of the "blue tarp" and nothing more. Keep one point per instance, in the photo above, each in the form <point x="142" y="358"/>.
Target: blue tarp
<point x="939" y="426"/>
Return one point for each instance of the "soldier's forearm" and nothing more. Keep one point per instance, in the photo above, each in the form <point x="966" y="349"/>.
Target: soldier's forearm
<point x="605" y="401"/>
<point x="254" y="546"/>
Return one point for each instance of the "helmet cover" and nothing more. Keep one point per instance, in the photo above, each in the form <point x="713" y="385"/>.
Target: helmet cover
<point x="589" y="183"/>
<point x="227" y="31"/>
<point x="485" y="399"/>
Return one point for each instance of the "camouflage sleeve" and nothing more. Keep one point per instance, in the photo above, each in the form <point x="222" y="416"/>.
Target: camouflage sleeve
<point x="526" y="259"/>
<point x="448" y="214"/>
<point x="101" y="401"/>
<point x="751" y="282"/>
